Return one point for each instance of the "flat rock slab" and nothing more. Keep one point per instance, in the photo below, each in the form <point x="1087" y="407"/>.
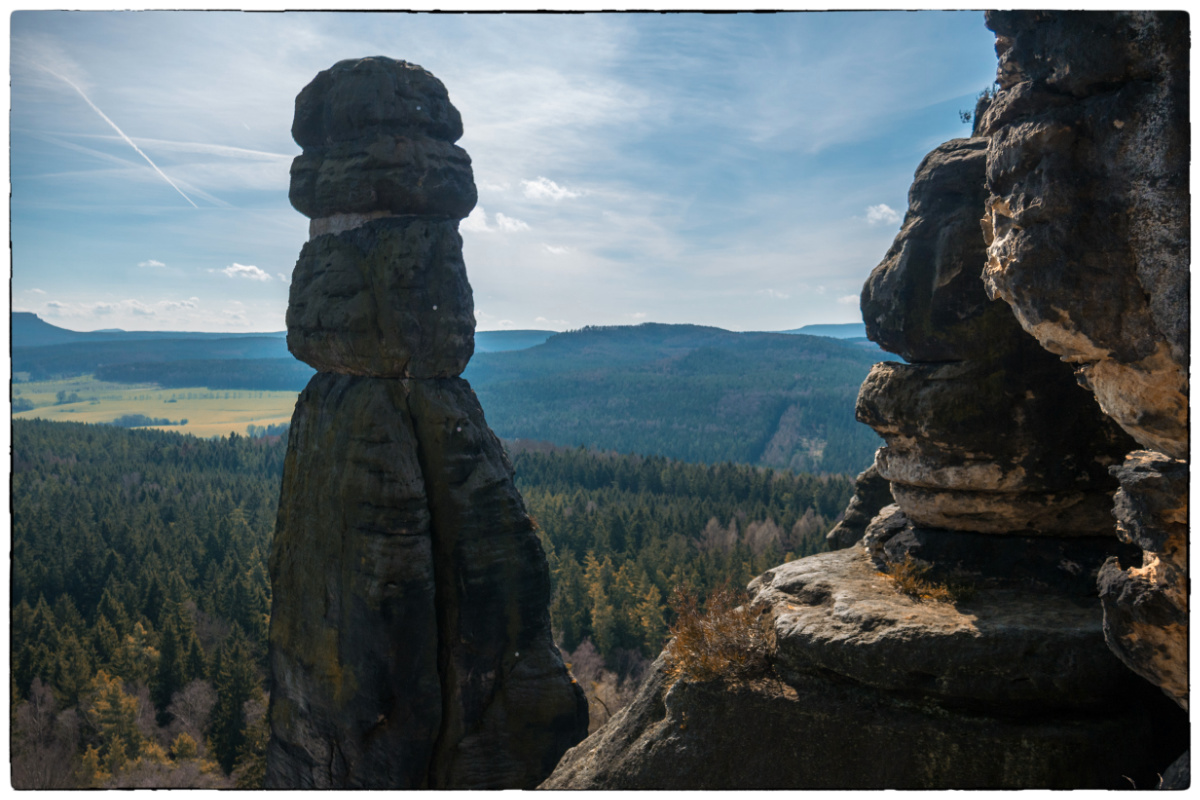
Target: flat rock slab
<point x="1009" y="651"/>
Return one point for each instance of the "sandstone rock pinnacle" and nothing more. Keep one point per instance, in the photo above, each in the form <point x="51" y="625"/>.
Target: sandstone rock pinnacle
<point x="1089" y="240"/>
<point x="1005" y="471"/>
<point x="410" y="641"/>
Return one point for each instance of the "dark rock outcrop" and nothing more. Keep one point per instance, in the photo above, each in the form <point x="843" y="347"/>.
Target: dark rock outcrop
<point x="974" y="371"/>
<point x="1145" y="606"/>
<point x="410" y="635"/>
<point x="389" y="298"/>
<point x="1087" y="226"/>
<point x="1087" y="222"/>
<point x="1002" y="465"/>
<point x="378" y="137"/>
<point x="875" y="692"/>
<point x="871" y="493"/>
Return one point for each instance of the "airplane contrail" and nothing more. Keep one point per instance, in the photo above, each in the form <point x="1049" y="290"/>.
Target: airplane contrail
<point x="129" y="141"/>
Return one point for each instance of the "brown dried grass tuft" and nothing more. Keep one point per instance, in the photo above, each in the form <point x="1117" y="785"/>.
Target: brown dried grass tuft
<point x="728" y="639"/>
<point x="909" y="577"/>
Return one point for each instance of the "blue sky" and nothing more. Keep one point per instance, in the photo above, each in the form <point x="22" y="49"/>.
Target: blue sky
<point x="744" y="171"/>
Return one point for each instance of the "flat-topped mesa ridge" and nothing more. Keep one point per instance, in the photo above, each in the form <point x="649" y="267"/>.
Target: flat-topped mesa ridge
<point x="1000" y="472"/>
<point x="410" y="643"/>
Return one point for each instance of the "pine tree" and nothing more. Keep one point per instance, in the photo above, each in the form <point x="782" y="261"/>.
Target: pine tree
<point x="235" y="681"/>
<point x="171" y="675"/>
<point x="112" y="715"/>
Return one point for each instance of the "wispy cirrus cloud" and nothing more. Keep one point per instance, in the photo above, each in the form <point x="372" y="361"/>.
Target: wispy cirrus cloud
<point x="151" y="262"/>
<point x="120" y="132"/>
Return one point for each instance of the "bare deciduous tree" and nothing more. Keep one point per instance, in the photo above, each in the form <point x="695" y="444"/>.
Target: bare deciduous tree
<point x="44" y="742"/>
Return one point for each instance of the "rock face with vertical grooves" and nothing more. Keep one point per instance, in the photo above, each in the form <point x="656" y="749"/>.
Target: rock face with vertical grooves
<point x="1087" y="220"/>
<point x="410" y="638"/>
<point x="1089" y="241"/>
<point x="1004" y="470"/>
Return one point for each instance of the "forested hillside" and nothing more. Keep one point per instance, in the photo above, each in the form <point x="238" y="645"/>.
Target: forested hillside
<point x="140" y="599"/>
<point x="697" y="394"/>
<point x="688" y="392"/>
<point x="140" y="591"/>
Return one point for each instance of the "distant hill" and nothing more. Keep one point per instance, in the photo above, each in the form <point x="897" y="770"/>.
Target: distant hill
<point x="83" y="357"/>
<point x="501" y="341"/>
<point x="687" y="392"/>
<point x="30" y="330"/>
<point x="47" y="351"/>
<point x="845" y="330"/>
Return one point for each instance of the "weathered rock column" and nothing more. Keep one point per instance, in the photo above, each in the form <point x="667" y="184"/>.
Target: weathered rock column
<point x="998" y="463"/>
<point x="997" y="459"/>
<point x="1089" y="242"/>
<point x="410" y="635"/>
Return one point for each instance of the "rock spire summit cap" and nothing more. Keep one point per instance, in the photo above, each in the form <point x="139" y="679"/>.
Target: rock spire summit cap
<point x="359" y="97"/>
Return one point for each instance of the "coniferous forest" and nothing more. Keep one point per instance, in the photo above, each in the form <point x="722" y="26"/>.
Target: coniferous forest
<point x="140" y="594"/>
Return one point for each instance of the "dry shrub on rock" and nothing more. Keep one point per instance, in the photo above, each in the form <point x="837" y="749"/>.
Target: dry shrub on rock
<point x="729" y="638"/>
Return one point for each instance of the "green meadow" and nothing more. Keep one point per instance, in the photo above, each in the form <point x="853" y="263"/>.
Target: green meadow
<point x="208" y="412"/>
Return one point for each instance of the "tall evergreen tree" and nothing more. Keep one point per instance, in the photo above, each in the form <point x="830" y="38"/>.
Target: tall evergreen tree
<point x="235" y="682"/>
<point x="171" y="675"/>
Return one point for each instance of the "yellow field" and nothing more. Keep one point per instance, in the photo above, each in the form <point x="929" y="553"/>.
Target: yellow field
<point x="216" y="412"/>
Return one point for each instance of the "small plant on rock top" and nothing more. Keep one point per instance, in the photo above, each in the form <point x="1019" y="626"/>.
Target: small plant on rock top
<point x="729" y="638"/>
<point x="909" y="577"/>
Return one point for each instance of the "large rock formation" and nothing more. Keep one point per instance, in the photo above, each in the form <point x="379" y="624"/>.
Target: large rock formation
<point x="1002" y="466"/>
<point x="1087" y="226"/>
<point x="410" y="638"/>
<point x="1087" y="220"/>
<point x="876" y="690"/>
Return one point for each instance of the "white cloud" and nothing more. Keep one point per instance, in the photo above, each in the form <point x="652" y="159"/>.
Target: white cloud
<point x="477" y="222"/>
<point x="558" y="251"/>
<point x="773" y="293"/>
<point x="36" y="291"/>
<point x="551" y="321"/>
<point x="180" y="305"/>
<point x="283" y="277"/>
<point x="637" y="315"/>
<point x="546" y="189"/>
<point x="848" y="299"/>
<point x="882" y="214"/>
<point x="510" y="224"/>
<point x="151" y="262"/>
<point x="505" y="323"/>
<point x="236" y="270"/>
